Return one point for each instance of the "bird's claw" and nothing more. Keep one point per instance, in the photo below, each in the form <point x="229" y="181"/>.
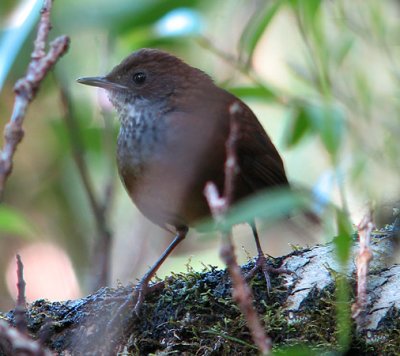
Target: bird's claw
<point x="138" y="297"/>
<point x="261" y="264"/>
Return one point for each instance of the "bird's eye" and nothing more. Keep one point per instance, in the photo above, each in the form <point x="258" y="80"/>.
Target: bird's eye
<point x="139" y="78"/>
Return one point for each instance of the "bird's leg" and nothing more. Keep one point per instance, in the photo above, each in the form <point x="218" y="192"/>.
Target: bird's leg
<point x="142" y="288"/>
<point x="261" y="262"/>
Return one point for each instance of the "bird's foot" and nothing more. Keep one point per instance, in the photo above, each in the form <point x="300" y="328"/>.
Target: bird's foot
<point x="141" y="290"/>
<point x="135" y="300"/>
<point x="261" y="264"/>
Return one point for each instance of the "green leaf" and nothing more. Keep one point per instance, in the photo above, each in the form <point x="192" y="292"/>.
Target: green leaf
<point x="311" y="8"/>
<point x="343" y="241"/>
<point x="308" y="8"/>
<point x="328" y="121"/>
<point x="364" y="90"/>
<point x="344" y="48"/>
<point x="297" y="350"/>
<point x="298" y="127"/>
<point x="257" y="26"/>
<point x="255" y="92"/>
<point x="343" y="244"/>
<point x="270" y="205"/>
<point x="13" y="222"/>
<point x="332" y="128"/>
<point x="343" y="312"/>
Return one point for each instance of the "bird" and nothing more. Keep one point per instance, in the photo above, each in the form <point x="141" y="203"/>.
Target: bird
<point x="174" y="124"/>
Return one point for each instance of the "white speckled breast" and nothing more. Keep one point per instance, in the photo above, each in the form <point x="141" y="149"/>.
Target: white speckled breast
<point x="142" y="132"/>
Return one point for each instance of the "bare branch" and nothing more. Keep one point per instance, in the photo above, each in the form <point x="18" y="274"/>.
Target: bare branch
<point x="242" y="293"/>
<point x="44" y="28"/>
<point x="281" y="96"/>
<point x="363" y="259"/>
<point x="13" y="342"/>
<point x="101" y="257"/>
<point x="20" y="310"/>
<point x="216" y="203"/>
<point x="26" y="89"/>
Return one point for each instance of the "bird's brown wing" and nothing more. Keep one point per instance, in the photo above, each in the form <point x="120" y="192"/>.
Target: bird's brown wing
<point x="260" y="163"/>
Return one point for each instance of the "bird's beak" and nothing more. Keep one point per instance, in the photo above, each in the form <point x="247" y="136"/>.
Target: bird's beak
<point x="101" y="82"/>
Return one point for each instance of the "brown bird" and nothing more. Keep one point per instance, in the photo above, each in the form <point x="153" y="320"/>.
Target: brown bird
<point x="174" y="125"/>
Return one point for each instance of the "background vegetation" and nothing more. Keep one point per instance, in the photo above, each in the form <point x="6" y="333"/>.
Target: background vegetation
<point x="322" y="76"/>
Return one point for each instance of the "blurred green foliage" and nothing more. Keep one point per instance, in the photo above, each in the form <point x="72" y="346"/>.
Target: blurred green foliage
<point x="257" y="26"/>
<point x="294" y="351"/>
<point x="326" y="121"/>
<point x="14" y="222"/>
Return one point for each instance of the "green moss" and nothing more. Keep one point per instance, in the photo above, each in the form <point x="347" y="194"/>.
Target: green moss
<point x="178" y="319"/>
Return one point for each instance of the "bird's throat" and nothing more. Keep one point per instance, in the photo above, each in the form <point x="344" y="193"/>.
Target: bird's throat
<point x="141" y="135"/>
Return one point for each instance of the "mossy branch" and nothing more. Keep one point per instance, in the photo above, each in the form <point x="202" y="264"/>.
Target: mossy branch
<point x="195" y="313"/>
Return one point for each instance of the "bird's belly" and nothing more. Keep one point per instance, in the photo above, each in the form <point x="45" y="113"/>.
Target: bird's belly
<point x="164" y="184"/>
<point x="164" y="194"/>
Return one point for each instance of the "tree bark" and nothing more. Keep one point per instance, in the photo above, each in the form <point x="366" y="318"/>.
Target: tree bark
<point x="194" y="312"/>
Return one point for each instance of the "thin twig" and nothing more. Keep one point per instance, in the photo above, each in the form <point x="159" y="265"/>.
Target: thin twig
<point x="27" y="87"/>
<point x="101" y="265"/>
<point x="20" y="310"/>
<point x="363" y="259"/>
<point x="108" y="139"/>
<point x="108" y="135"/>
<point x="219" y="206"/>
<point x="13" y="342"/>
